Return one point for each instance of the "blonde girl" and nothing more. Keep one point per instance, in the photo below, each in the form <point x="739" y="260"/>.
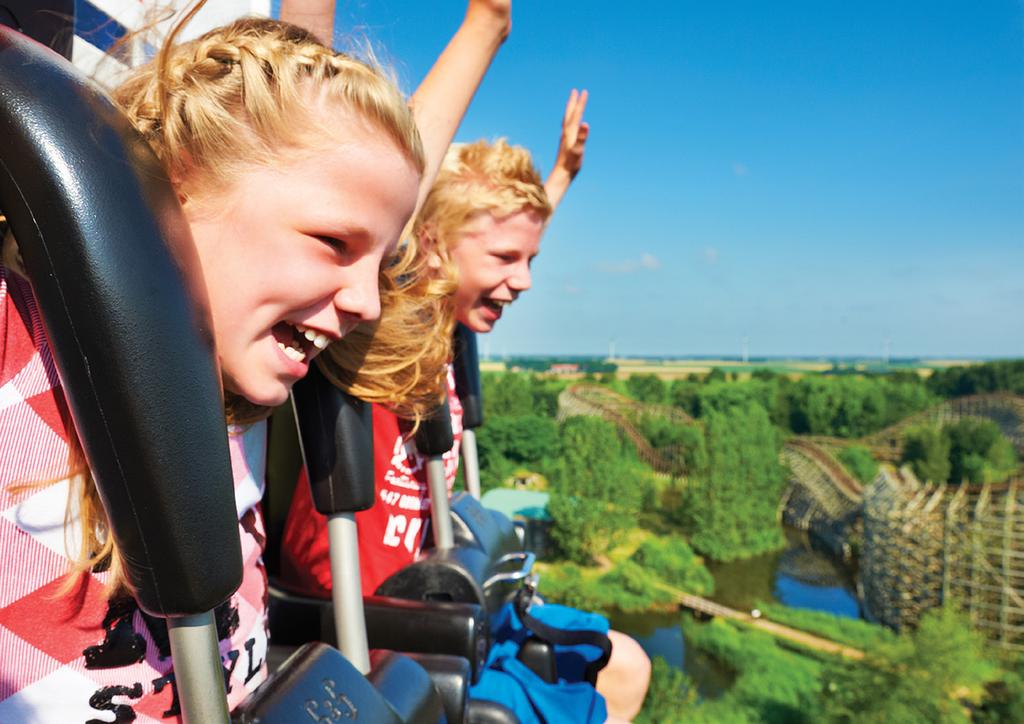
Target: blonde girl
<point x="297" y="168"/>
<point x="486" y="214"/>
